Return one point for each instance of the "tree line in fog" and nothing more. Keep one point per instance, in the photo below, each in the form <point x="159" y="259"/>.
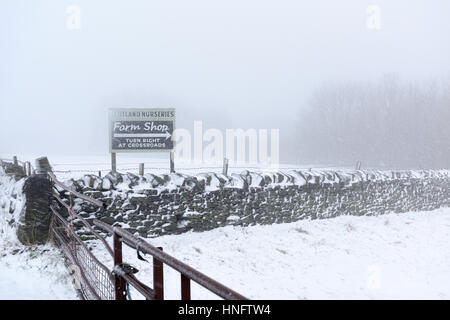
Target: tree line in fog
<point x="387" y="123"/>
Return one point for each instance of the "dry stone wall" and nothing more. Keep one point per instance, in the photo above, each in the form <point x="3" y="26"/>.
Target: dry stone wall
<point x="154" y="205"/>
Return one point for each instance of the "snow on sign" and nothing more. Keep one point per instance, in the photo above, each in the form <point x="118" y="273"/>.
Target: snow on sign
<point x="141" y="130"/>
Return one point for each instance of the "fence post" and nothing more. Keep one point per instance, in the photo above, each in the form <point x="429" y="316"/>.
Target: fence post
<point x="16" y="163"/>
<point x="35" y="217"/>
<point x="28" y="168"/>
<point x="172" y="162"/>
<point x="225" y="167"/>
<point x="185" y="288"/>
<point x="113" y="162"/>
<point x="141" y="169"/>
<point x="25" y="168"/>
<point x="100" y="173"/>
<point x="119" y="283"/>
<point x="158" y="278"/>
<point x="42" y="165"/>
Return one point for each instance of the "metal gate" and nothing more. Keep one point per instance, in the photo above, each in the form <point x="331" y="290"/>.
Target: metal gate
<point x="97" y="281"/>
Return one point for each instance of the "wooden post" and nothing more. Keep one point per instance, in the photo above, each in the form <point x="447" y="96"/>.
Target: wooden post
<point x="99" y="173"/>
<point x="25" y="168"/>
<point x="141" y="169"/>
<point x="16" y="163"/>
<point x="119" y="283"/>
<point x="225" y="167"/>
<point x="172" y="162"/>
<point x="28" y="168"/>
<point x="113" y="162"/>
<point x="42" y="165"/>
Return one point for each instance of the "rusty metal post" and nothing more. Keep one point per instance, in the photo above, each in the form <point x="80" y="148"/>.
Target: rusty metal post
<point x="119" y="283"/>
<point x="185" y="288"/>
<point x="158" y="278"/>
<point x="70" y="231"/>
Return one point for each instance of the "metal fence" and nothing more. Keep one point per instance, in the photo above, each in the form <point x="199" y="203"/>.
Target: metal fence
<point x="94" y="277"/>
<point x="99" y="282"/>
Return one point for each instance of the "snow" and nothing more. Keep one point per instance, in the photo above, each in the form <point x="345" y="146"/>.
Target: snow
<point x="11" y="203"/>
<point x="36" y="272"/>
<point x="393" y="256"/>
<point x="33" y="273"/>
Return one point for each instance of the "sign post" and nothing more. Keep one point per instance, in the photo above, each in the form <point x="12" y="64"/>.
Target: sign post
<point x="140" y="130"/>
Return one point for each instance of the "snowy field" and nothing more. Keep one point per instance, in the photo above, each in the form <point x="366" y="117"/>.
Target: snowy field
<point x="394" y="256"/>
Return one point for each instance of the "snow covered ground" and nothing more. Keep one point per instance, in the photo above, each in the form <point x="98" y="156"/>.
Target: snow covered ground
<point x="33" y="273"/>
<point x="36" y="272"/>
<point x="394" y="256"/>
<point x="385" y="257"/>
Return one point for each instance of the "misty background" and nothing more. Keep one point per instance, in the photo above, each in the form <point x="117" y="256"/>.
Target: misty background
<point x="339" y="91"/>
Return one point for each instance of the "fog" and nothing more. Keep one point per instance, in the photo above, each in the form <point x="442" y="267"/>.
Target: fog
<point x="385" y="123"/>
<point x="232" y="64"/>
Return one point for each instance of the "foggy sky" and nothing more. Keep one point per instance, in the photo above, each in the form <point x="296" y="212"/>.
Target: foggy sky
<point x="232" y="64"/>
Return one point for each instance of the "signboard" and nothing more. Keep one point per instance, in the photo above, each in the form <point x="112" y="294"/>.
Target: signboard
<point x="141" y="130"/>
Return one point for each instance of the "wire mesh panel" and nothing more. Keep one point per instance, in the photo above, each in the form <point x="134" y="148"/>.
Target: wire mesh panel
<point x="98" y="278"/>
<point x="93" y="278"/>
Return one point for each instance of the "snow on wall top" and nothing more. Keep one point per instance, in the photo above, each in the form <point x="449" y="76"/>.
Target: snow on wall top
<point x="215" y="181"/>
